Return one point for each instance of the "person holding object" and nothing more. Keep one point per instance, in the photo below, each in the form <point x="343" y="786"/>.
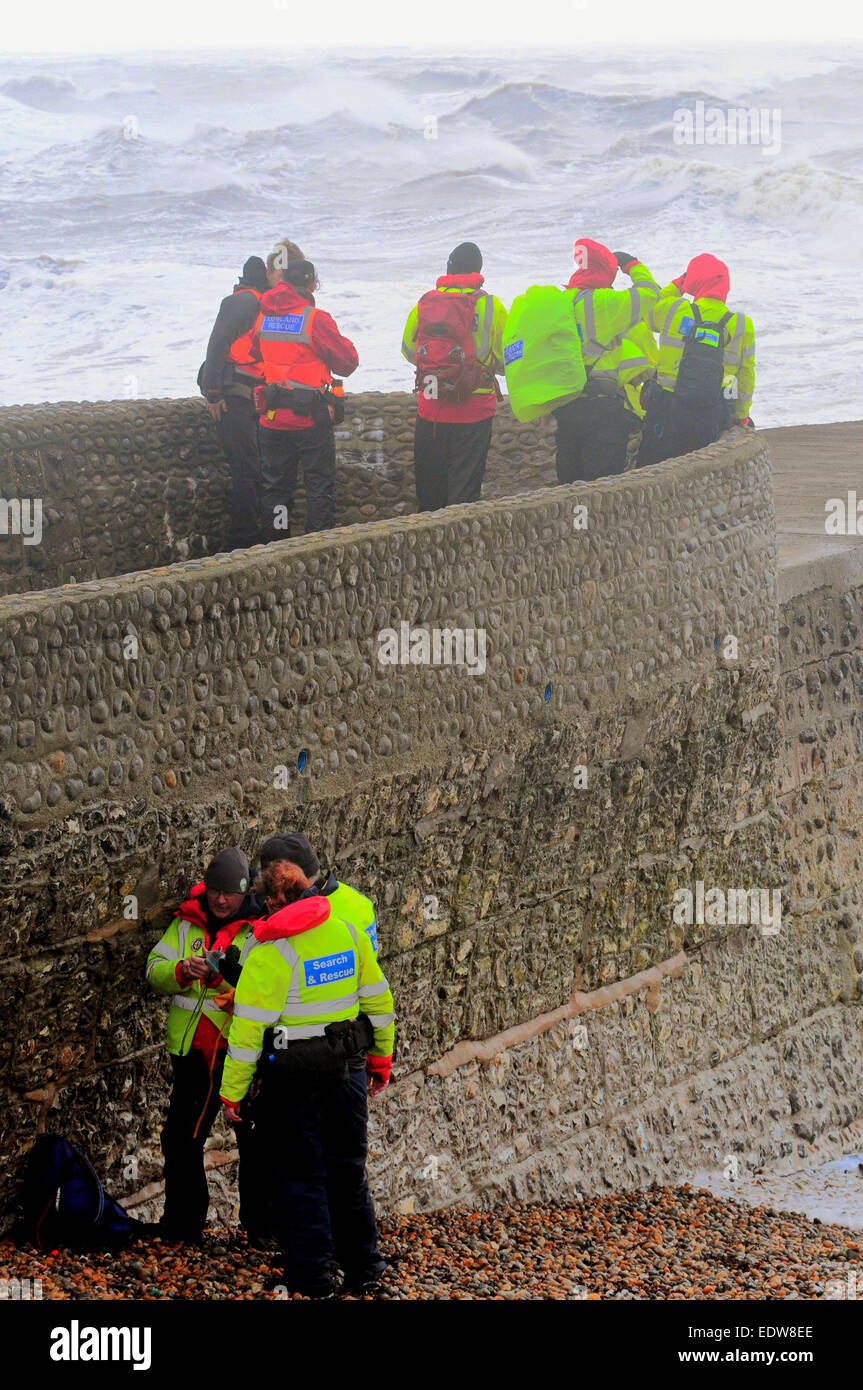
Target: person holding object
<point x="218" y="913"/>
<point x="227" y="380"/>
<point x="453" y="336"/>
<point x="705" y="374"/>
<point x="300" y="348"/>
<point x="593" y="429"/>
<point x="298" y="1021"/>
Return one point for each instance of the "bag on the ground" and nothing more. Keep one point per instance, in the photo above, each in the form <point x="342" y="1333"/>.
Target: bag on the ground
<point x="64" y="1204"/>
<point x="542" y="352"/>
<point x="447" y="369"/>
<point x="701" y="372"/>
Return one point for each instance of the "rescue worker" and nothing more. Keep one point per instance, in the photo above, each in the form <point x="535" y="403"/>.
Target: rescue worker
<point x="227" y="380"/>
<point x="305" y="872"/>
<point x="300" y="348"/>
<point x="705" y="376"/>
<point x="637" y="366"/>
<point x="593" y="430"/>
<point x="308" y="978"/>
<point x="219" y="912"/>
<point x="454" y="337"/>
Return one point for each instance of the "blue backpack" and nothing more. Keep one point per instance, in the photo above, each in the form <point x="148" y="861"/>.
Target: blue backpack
<point x="63" y="1202"/>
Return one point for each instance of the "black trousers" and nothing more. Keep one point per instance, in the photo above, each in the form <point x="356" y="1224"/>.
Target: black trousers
<point x="312" y="1136"/>
<point x="671" y="429"/>
<point x="283" y="452"/>
<point x="187" y="1197"/>
<point x="592" y="435"/>
<point x="238" y="436"/>
<point x="449" y="462"/>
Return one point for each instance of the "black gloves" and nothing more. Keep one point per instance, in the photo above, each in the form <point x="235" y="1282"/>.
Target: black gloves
<point x="623" y="258"/>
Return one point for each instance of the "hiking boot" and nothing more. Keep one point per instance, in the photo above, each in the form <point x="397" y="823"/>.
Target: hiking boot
<point x="323" y="1290"/>
<point x="365" y="1281"/>
<point x="267" y="1245"/>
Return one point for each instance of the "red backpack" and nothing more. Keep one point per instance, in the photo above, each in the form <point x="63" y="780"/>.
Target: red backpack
<point x="445" y="347"/>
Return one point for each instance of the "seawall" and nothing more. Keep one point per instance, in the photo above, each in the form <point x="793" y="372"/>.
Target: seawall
<point x="128" y="485"/>
<point x="650" y="716"/>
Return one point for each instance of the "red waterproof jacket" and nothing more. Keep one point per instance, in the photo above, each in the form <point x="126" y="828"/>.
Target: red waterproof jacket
<point x="321" y="350"/>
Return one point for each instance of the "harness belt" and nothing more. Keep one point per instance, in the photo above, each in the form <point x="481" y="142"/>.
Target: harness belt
<point x="341" y="1043"/>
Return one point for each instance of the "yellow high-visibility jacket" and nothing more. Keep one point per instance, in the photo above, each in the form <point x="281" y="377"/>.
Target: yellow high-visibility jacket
<point x="638" y="360"/>
<point x="298" y="985"/>
<point x="185" y="936"/>
<point x="605" y="318"/>
<point x="672" y="314"/>
<point x="487" y="345"/>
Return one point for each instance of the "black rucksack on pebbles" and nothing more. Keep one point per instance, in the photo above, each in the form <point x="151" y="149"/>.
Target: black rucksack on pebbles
<point x="64" y="1205"/>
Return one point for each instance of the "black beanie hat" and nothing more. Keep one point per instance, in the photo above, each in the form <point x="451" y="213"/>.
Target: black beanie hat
<point x="466" y="259"/>
<point x="295" y="848"/>
<point x="298" y="272"/>
<point x="255" y="274"/>
<point x="228" y="872"/>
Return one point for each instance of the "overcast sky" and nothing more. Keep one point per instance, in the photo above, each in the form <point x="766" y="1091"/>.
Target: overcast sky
<point x="100" y="26"/>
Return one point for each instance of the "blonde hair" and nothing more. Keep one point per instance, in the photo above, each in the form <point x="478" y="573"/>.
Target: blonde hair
<point x="283" y="252"/>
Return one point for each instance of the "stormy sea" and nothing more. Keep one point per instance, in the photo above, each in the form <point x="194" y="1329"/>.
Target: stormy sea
<point x="134" y="187"/>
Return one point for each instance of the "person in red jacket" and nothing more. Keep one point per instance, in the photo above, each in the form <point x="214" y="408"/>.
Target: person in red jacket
<point x="454" y="338"/>
<point x="300" y="347"/>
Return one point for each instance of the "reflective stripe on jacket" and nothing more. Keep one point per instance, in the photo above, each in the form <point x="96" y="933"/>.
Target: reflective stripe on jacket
<point x="181" y="940"/>
<point x="488" y="347"/>
<point x="605" y="316"/>
<point x="300" y="984"/>
<point x="672" y="314"/>
<point x="354" y="907"/>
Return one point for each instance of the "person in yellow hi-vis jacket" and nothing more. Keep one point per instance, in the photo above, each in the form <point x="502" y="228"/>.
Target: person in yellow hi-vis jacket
<point x="593" y="429"/>
<point x="217" y="914"/>
<point x="313" y="1016"/>
<point x="637" y="366"/>
<point x="454" y="338"/>
<point x="705" y="376"/>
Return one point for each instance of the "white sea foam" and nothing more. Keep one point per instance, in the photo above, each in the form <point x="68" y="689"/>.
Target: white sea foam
<point x="115" y="251"/>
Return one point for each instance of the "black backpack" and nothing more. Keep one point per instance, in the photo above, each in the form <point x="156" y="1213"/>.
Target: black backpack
<point x="63" y="1203"/>
<point x="702" y="369"/>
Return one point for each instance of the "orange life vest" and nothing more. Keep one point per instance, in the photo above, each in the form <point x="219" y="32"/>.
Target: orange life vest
<point x="285" y="345"/>
<point x="240" y="351"/>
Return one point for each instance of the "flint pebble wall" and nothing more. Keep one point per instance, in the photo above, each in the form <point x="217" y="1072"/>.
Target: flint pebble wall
<point x="522" y="829"/>
<point x="127" y="485"/>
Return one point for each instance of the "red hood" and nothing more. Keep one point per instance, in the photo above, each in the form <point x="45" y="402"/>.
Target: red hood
<point x="460" y="282"/>
<point x="706" y="278"/>
<point x="192" y="911"/>
<point x="285" y="299"/>
<point x="293" y="919"/>
<point x="601" y="266"/>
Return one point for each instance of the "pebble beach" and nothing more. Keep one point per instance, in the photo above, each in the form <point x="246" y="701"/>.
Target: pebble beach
<point x="673" y="1243"/>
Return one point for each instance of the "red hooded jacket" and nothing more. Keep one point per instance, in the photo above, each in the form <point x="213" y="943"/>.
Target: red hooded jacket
<point x="336" y="352"/>
<point x="706" y="277"/>
<point x="597" y="266"/>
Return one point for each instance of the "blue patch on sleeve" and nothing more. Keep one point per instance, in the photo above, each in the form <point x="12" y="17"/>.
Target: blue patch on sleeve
<point x="686" y="327"/>
<point x="285" y="323"/>
<point x="326" y="970"/>
<point x="513" y="352"/>
<point x="372" y="930"/>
